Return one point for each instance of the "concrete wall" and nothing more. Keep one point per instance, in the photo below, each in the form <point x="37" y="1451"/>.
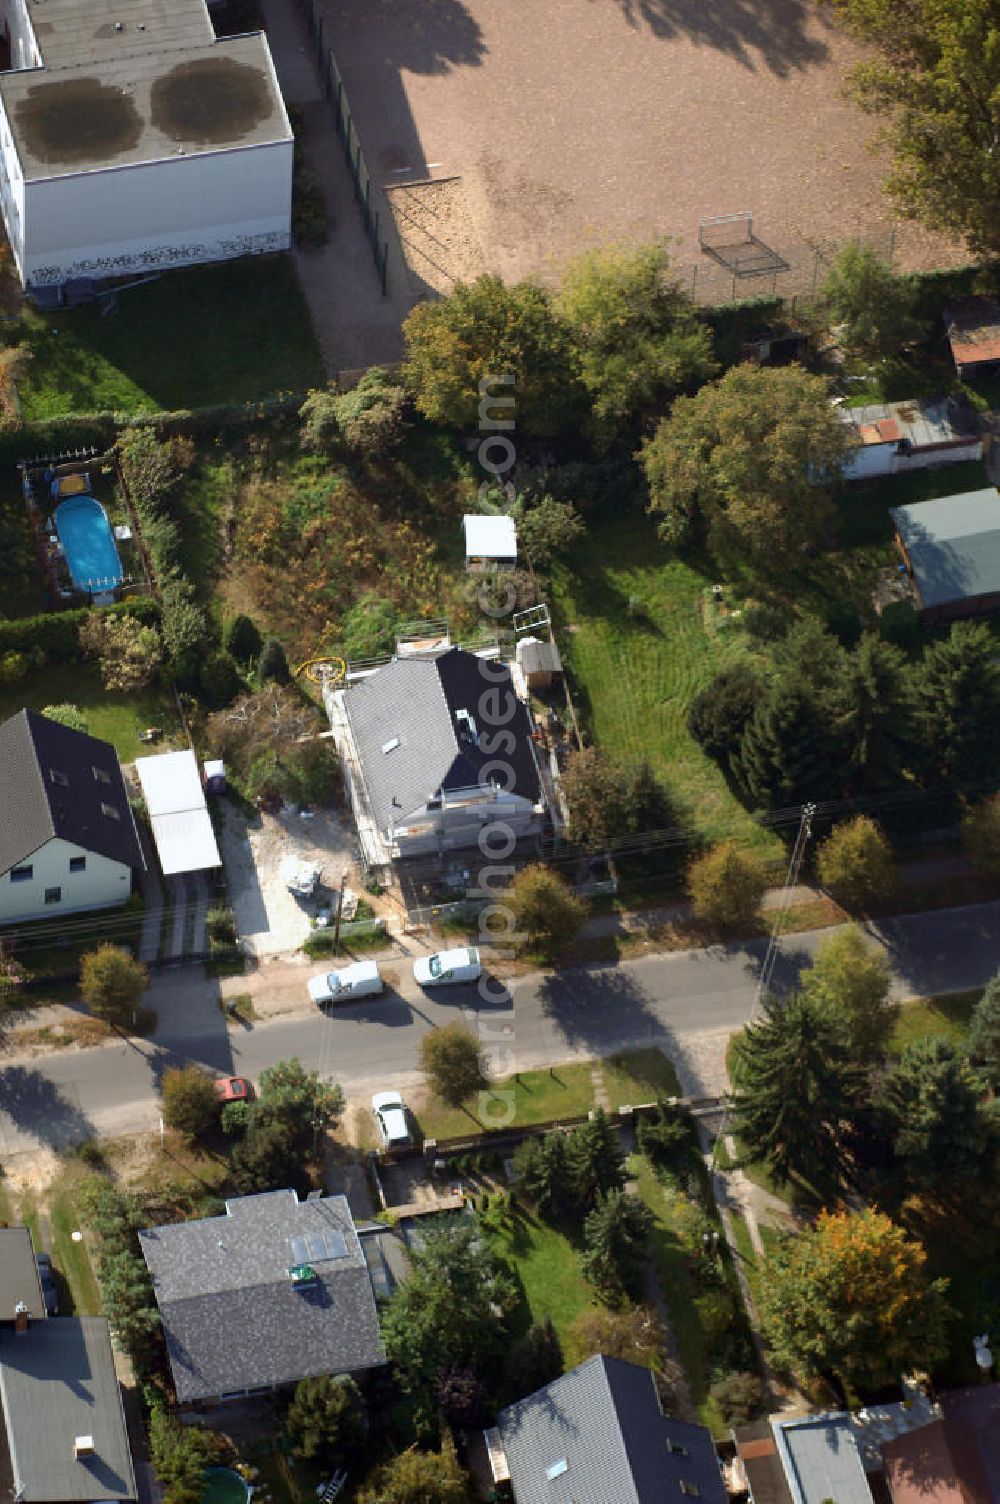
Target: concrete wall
<point x="154" y="215"/>
<point x="101" y="885"/>
<point x="11" y="189"/>
<point x="882" y="459"/>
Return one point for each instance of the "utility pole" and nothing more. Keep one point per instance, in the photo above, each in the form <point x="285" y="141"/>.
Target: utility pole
<point x="340" y="910"/>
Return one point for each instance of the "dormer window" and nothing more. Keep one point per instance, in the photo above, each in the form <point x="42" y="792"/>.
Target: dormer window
<point x="59" y="778"/>
<point x="102" y="775"/>
<point x="111" y="812"/>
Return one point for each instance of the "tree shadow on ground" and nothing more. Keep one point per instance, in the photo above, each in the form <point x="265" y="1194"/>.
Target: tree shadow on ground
<point x="38" y="1107"/>
<point x="780" y="32"/>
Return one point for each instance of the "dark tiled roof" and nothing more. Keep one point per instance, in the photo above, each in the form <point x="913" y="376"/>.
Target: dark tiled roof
<point x="18" y="1274"/>
<point x="58" y="782"/>
<point x="603" y="1420"/>
<point x="58" y="1382"/>
<point x="232" y="1316"/>
<point x="417" y="701"/>
<point x="937" y="1464"/>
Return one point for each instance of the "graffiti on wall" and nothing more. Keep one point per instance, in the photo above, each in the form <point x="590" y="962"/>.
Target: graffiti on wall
<point x="159" y="258"/>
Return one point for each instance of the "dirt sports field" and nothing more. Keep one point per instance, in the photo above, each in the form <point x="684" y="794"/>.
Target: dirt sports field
<point x="551" y="125"/>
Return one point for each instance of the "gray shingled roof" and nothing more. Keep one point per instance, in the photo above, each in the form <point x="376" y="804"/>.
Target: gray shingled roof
<point x="416" y="702"/>
<point x="35" y="806"/>
<point x="19" y="1274"/>
<point x="232" y="1317"/>
<point x="953" y="545"/>
<point x="603" y="1420"/>
<point x="58" y="1382"/>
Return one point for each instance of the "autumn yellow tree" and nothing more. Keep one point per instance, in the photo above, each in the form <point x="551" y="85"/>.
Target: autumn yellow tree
<point x="851" y="1295"/>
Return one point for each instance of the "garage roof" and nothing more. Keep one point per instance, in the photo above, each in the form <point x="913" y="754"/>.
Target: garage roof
<point x="175" y="800"/>
<point x="953" y="545"/>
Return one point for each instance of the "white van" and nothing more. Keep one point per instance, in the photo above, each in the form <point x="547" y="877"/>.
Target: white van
<point x="363" y="979"/>
<point x="459" y="965"/>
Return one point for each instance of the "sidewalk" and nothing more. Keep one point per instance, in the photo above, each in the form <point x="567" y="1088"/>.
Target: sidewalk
<point x="356" y="325"/>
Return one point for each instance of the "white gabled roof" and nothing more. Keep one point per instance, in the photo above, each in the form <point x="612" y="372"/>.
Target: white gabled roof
<point x="489" y="537"/>
<point x="182" y="829"/>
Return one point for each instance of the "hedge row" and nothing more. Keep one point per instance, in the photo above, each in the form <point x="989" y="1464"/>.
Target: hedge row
<point x="98" y="430"/>
<point x="57" y="633"/>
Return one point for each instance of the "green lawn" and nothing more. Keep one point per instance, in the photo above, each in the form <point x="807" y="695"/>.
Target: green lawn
<point x="193" y="338"/>
<point x="72" y="1259"/>
<point x="116" y="718"/>
<point x="547" y="1266"/>
<point x="562" y="1091"/>
<point x="639" y="1076"/>
<point x="945" y="1017"/>
<point x="636" y="668"/>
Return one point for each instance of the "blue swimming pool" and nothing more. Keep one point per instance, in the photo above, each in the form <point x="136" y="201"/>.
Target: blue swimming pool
<point x="89" y="544"/>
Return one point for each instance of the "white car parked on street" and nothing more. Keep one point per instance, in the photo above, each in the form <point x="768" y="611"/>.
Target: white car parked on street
<point x="390" y="1119"/>
<point x="363" y="979"/>
<point x="459" y="965"/>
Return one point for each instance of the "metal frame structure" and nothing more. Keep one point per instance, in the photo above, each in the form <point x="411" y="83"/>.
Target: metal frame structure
<point x="729" y="239"/>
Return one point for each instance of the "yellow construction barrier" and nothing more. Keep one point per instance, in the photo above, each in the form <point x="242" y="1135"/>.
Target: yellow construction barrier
<point x="325" y="669"/>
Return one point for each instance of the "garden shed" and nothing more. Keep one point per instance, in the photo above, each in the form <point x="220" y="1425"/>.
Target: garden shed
<point x="951" y="550"/>
<point x="490" y="542"/>
<point x="973" y="326"/>
<point x="893" y="437"/>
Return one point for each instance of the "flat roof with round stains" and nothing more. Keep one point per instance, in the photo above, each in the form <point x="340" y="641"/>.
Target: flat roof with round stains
<point x="146" y="106"/>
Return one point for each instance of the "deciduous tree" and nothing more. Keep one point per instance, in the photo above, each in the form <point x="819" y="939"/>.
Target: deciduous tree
<point x="726" y="885"/>
<point x="876" y="307"/>
<point x="747" y="460"/>
<point x="851" y="1294"/>
<point x="850" y="978"/>
<point x="241" y="638"/>
<point x="608" y="800"/>
<point x="796" y="1089"/>
<point x="451" y="1310"/>
<point x="111" y="983"/>
<point x="547" y="527"/>
<point x="462" y="349"/>
<point x="638" y="337"/>
<point x="856" y="863"/>
<point x="933" y="82"/>
<point x="189" y="1101"/>
<point x="128" y="654"/>
<point x="420" y="1478"/>
<point x="67" y="715"/>
<point x="449" y="1059"/>
<point x="544" y="908"/>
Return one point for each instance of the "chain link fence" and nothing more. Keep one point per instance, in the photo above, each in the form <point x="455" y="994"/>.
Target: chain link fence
<point x="807" y="264"/>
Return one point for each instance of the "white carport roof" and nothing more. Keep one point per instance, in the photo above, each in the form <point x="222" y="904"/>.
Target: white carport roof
<point x="182" y="829"/>
<point x="489" y="537"/>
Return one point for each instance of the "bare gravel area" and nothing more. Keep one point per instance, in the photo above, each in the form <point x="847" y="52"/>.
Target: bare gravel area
<point x="576" y="122"/>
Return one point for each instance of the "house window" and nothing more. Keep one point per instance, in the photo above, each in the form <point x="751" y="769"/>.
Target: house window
<point x="53" y="895"/>
<point x="676" y="1449"/>
<point x="102" y="775"/>
<point x="59" y="778"/>
<point x="691" y="1489"/>
<point x="111" y="812"/>
<point x="78" y="864"/>
<point x="22" y="874"/>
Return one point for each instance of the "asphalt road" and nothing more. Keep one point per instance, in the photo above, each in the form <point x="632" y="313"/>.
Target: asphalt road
<point x="687" y="1002"/>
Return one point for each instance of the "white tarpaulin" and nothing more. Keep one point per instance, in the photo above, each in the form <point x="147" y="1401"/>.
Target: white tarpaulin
<point x="182" y="829"/>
